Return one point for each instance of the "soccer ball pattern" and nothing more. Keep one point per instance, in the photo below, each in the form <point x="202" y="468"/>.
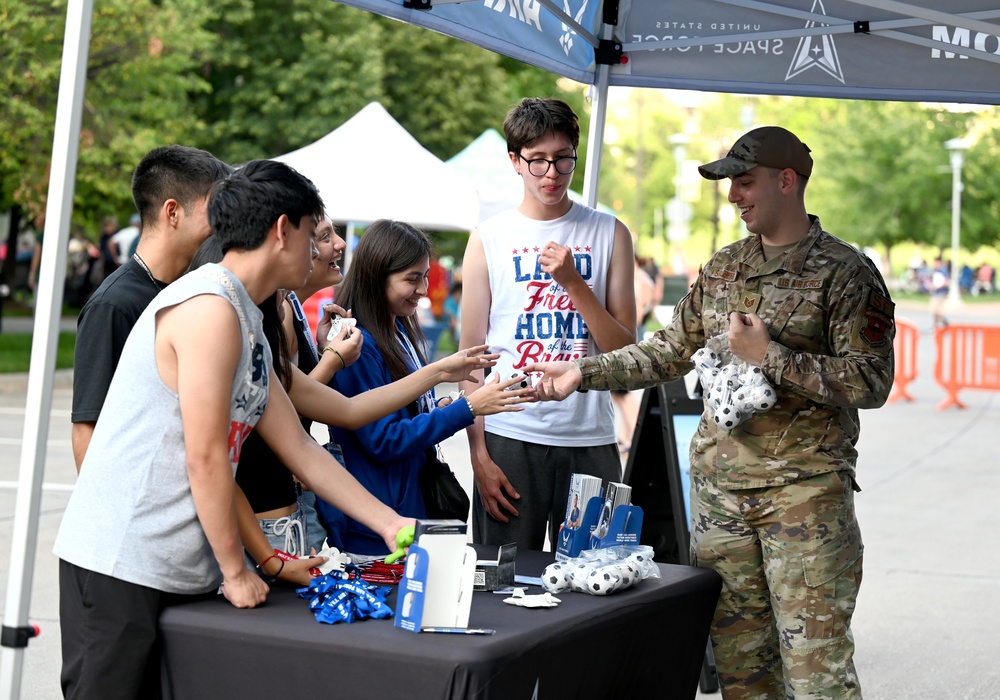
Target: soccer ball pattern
<point x="733" y="392"/>
<point x="600" y="571"/>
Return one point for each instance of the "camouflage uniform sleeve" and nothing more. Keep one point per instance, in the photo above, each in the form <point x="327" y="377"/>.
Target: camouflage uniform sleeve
<point x="655" y="361"/>
<point x="860" y="329"/>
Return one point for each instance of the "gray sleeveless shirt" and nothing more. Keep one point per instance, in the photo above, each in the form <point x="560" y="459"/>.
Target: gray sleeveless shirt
<point x="131" y="515"/>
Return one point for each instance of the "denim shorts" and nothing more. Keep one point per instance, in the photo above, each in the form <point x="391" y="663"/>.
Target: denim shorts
<point x="288" y="534"/>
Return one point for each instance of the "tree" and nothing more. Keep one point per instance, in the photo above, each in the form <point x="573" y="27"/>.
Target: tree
<point x="284" y="74"/>
<point x="140" y="72"/>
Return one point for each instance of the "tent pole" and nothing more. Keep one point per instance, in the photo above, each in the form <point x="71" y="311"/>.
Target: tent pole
<point x="595" y="139"/>
<point x="48" y="310"/>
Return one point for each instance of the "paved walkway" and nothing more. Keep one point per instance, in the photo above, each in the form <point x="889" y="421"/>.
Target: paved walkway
<point x="925" y="622"/>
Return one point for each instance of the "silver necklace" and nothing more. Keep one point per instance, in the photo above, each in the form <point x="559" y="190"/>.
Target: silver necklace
<point x="144" y="266"/>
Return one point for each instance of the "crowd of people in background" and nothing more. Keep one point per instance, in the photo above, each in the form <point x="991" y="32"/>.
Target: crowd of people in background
<point x="919" y="277"/>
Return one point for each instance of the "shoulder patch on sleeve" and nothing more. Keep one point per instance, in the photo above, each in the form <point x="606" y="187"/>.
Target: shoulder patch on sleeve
<point x="874" y="325"/>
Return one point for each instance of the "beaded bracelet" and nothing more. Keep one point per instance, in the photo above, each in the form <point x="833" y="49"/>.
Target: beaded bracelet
<point x="471" y="409"/>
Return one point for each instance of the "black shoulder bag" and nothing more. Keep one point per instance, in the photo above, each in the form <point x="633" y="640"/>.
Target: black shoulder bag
<point x="444" y="497"/>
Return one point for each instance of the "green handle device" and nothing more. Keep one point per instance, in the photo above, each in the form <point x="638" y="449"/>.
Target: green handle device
<point x="404" y="538"/>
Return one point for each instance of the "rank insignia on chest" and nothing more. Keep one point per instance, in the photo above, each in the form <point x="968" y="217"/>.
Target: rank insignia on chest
<point x="749" y="302"/>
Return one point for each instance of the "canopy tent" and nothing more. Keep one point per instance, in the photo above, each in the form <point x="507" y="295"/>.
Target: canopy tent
<point x="866" y="49"/>
<point x="485" y="163"/>
<point x="371" y="168"/>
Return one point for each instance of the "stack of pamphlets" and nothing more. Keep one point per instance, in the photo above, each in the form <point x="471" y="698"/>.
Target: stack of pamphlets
<point x="582" y="487"/>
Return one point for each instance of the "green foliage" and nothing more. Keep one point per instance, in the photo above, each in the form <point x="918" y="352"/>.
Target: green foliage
<point x="882" y="173"/>
<point x="258" y="78"/>
<point x="15" y="351"/>
<point x="442" y="90"/>
<point x="284" y="74"/>
<point x="142" y="67"/>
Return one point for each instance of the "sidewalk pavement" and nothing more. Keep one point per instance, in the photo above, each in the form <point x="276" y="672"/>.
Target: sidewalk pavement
<point x="924" y="624"/>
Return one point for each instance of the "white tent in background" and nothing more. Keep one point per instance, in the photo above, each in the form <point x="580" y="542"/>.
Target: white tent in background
<point x="371" y="168"/>
<point x="485" y="163"/>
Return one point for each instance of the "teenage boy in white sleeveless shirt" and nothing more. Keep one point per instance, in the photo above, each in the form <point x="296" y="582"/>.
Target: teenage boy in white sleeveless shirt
<point x="153" y="516"/>
<point x="550" y="279"/>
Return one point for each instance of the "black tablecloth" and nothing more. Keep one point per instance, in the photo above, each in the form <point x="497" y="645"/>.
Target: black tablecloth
<point x="644" y="642"/>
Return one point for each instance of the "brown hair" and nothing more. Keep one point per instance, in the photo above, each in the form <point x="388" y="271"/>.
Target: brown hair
<point x="534" y="117"/>
<point x="387" y="247"/>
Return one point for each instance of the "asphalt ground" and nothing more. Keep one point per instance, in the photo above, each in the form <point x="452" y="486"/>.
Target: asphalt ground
<point x="925" y="624"/>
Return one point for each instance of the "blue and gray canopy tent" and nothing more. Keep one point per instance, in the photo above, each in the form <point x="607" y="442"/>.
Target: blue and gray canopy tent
<point x="863" y="49"/>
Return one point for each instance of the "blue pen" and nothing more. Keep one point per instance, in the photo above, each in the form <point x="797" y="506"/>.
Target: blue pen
<point x="458" y="630"/>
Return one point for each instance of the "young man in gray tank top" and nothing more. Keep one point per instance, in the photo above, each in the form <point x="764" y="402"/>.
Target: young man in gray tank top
<point x="194" y="378"/>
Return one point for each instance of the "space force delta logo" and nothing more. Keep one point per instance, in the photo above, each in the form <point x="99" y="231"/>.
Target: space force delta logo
<point x="529" y="12"/>
<point x="816" y="52"/>
<point x="548" y="327"/>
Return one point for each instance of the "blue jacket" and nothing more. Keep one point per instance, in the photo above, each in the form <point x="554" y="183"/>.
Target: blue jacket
<point x="385" y="456"/>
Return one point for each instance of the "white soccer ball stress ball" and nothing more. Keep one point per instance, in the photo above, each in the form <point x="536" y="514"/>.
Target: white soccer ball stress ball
<point x="733" y="392"/>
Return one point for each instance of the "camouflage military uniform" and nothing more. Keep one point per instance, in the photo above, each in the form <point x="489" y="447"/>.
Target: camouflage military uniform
<point x="772" y="500"/>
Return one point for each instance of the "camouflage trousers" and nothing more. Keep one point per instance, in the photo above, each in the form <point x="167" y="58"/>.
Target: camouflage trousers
<point x="790" y="559"/>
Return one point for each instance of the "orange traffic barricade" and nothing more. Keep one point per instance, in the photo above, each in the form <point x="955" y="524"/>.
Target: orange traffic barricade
<point x="968" y="357"/>
<point x="905" y="353"/>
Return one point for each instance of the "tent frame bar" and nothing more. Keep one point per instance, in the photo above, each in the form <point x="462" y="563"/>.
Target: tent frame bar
<point x="38" y="403"/>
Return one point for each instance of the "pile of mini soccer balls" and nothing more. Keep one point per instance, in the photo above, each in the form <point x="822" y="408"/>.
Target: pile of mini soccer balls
<point x="734" y="391"/>
<point x="601" y="573"/>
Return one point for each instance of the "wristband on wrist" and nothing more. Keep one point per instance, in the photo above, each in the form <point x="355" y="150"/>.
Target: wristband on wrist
<point x="260" y="566"/>
<point x="471" y="409"/>
<point x="268" y="578"/>
<point x="330" y="348"/>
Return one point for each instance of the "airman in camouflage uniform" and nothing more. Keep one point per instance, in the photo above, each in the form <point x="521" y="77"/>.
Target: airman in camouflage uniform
<point x="773" y="499"/>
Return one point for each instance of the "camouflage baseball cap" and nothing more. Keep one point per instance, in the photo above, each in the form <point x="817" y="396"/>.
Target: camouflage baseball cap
<point x="770" y="146"/>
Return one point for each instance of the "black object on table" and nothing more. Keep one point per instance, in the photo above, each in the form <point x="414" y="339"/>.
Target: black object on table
<point x="644" y="642"/>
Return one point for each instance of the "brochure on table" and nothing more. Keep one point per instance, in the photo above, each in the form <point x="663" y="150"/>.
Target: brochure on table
<point x="436" y="589"/>
<point x="623" y="528"/>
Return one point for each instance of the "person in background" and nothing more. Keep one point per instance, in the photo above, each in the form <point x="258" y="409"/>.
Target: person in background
<point x="109" y="258"/>
<point x="772" y="499"/>
<point x="170" y="187"/>
<point x="453" y="312"/>
<point x="940" y="283"/>
<point x="121" y="243"/>
<point x="626" y="404"/>
<point x="384" y="285"/>
<point x="319" y="357"/>
<point x="36" y="253"/>
<point x="549" y="279"/>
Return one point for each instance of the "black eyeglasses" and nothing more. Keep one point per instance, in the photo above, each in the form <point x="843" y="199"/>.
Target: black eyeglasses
<point x="540" y="166"/>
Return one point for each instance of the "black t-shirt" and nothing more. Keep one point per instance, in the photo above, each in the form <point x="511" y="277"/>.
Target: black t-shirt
<point x="265" y="481"/>
<point x="102" y="328"/>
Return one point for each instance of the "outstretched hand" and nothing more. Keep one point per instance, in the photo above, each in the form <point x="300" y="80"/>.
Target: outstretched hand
<point x="499" y="397"/>
<point x="298" y="571"/>
<point x="459" y="367"/>
<point x="558" y="380"/>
